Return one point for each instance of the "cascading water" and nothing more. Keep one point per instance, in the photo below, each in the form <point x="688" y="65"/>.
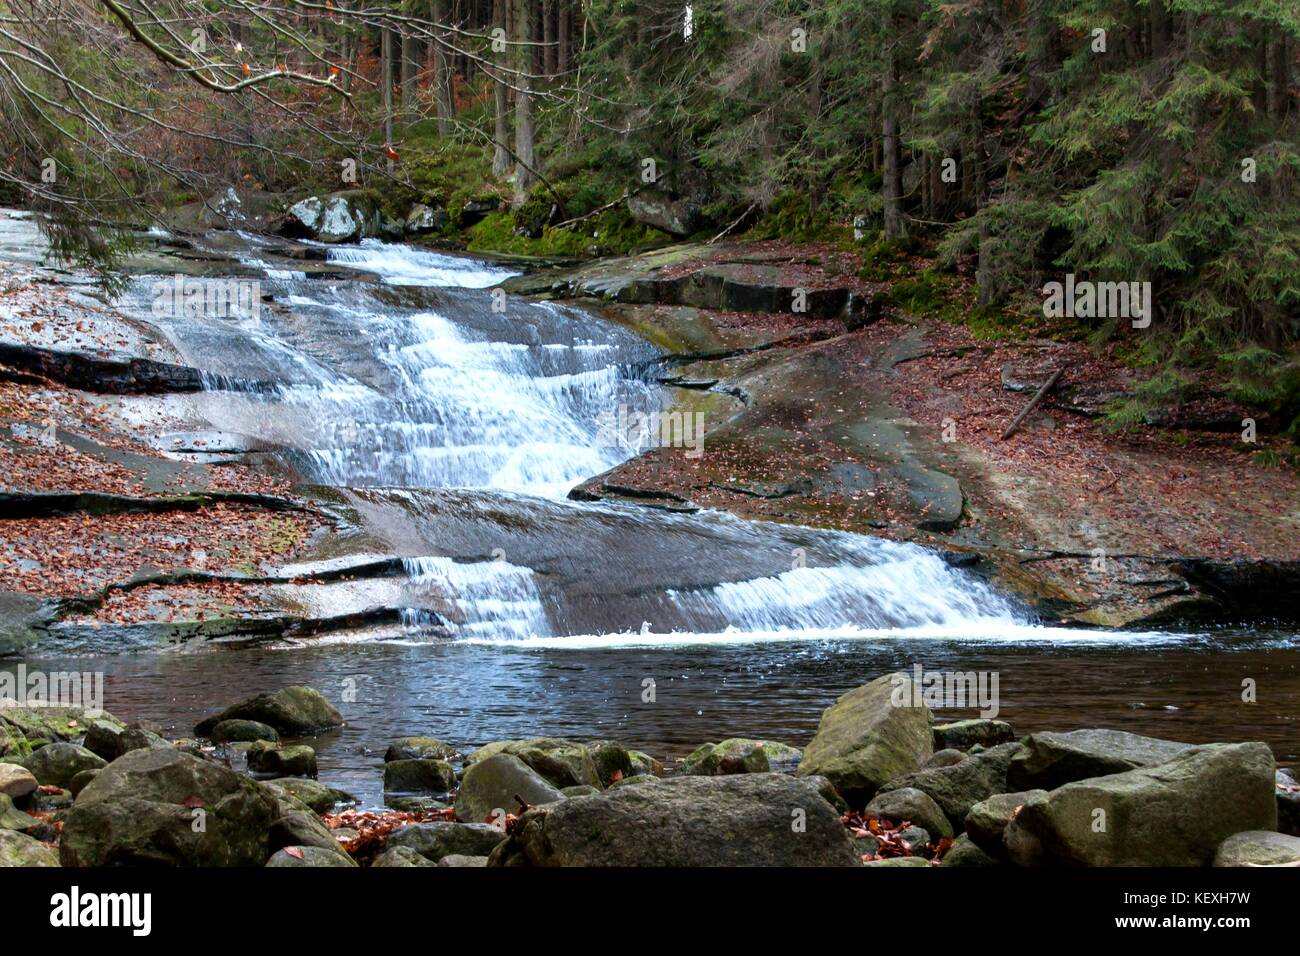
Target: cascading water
<point x="487" y="409"/>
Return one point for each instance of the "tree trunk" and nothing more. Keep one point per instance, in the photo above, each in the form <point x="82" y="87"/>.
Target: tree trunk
<point x="386" y="84"/>
<point x="1277" y="78"/>
<point x="564" y="55"/>
<point x="893" y="185"/>
<point x="409" y="70"/>
<point x="501" y="133"/>
<point x="444" y="101"/>
<point x="523" y="98"/>
<point x="548" y="37"/>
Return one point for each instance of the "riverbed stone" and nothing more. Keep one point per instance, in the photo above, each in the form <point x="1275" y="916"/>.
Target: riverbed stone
<point x="419" y="748"/>
<point x="612" y="761"/>
<point x="564" y="763"/>
<point x="314" y="795"/>
<point x="636" y="780"/>
<point x="419" y="776"/>
<point x="908" y="803"/>
<point x="31" y="727"/>
<point x="959" y="787"/>
<point x="868" y="736"/>
<point x="1176" y="813"/>
<point x="1258" y="848"/>
<point x="733" y="820"/>
<point x="964" y="734"/>
<point x="442" y="838"/>
<point x="1050" y="760"/>
<point x="1288" y="803"/>
<point x="56" y="764"/>
<point x="111" y="741"/>
<point x="741" y="755"/>
<point x="140" y="809"/>
<point x="401" y="856"/>
<point x="16" y="781"/>
<point x="243" y="731"/>
<point x="281" y="761"/>
<point x="460" y="859"/>
<point x="309" y="856"/>
<point x="292" y="711"/>
<point x="582" y="790"/>
<point x="18" y="849"/>
<point x="964" y="852"/>
<point x="988" y="819"/>
<point x="298" y="827"/>
<point x="11" y="818"/>
<point x="498" y="783"/>
<point x="898" y="861"/>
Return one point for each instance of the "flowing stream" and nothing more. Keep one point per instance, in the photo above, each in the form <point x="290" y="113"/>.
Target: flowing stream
<point x="455" y="419"/>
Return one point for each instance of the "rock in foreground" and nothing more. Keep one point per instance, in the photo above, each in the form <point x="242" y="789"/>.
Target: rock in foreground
<point x="291" y="712"/>
<point x="737" y="820"/>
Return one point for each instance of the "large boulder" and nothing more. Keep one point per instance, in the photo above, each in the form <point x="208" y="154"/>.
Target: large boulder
<point x="911" y="804"/>
<point x="424" y="218"/>
<point x="964" y="852"/>
<point x="24" y="729"/>
<point x="1259" y="848"/>
<point x="56" y="764"/>
<point x="438" y="839"/>
<point x="564" y="763"/>
<point x="959" y="787"/>
<point x="293" y="712"/>
<point x="677" y="217"/>
<point x="757" y="819"/>
<point x="299" y="827"/>
<point x="1051" y="760"/>
<point x="339" y="217"/>
<point x="18" y="849"/>
<point x="740" y="755"/>
<point x="165" y="807"/>
<point x="1173" y="814"/>
<point x="419" y="776"/>
<point x="11" y="818"/>
<point x="870" y="735"/>
<point x="498" y="783"/>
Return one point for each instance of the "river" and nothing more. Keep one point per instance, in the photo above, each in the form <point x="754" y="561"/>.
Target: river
<point x="454" y="420"/>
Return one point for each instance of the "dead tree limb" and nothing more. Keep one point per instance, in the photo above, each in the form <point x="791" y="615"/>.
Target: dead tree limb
<point x="1033" y="402"/>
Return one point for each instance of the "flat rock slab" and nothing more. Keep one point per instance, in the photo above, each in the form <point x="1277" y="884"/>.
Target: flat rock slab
<point x="1050" y="760"/>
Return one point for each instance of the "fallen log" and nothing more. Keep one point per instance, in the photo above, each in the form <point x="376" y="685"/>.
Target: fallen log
<point x="1033" y="402"/>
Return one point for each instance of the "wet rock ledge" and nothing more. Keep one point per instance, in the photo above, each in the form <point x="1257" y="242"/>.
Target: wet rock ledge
<point x="881" y="784"/>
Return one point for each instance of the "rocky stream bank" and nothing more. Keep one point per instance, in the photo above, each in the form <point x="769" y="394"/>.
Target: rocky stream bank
<point x="881" y="783"/>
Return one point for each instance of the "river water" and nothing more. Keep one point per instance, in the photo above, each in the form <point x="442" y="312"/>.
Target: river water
<point x="459" y="418"/>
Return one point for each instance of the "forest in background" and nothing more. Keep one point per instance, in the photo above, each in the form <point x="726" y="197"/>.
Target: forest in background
<point x="970" y="151"/>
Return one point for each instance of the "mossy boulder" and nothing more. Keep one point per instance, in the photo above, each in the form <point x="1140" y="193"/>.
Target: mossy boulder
<point x="24" y="729"/>
<point x="741" y="755"/>
<point x="497" y="784"/>
<point x="110" y="741"/>
<point x="56" y="764"/>
<point x="11" y="818"/>
<point x="564" y="763"/>
<point x="419" y="776"/>
<point x="988" y="819"/>
<point x="18" y="849"/>
<point x="1258" y="848"/>
<point x="310" y="793"/>
<point x="443" y="838"/>
<point x="908" y="803"/>
<point x="292" y="711"/>
<point x="243" y="731"/>
<point x="1177" y="813"/>
<point x="869" y="736"/>
<point x="146" y="807"/>
<point x="959" y="787"/>
<point x="281" y="761"/>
